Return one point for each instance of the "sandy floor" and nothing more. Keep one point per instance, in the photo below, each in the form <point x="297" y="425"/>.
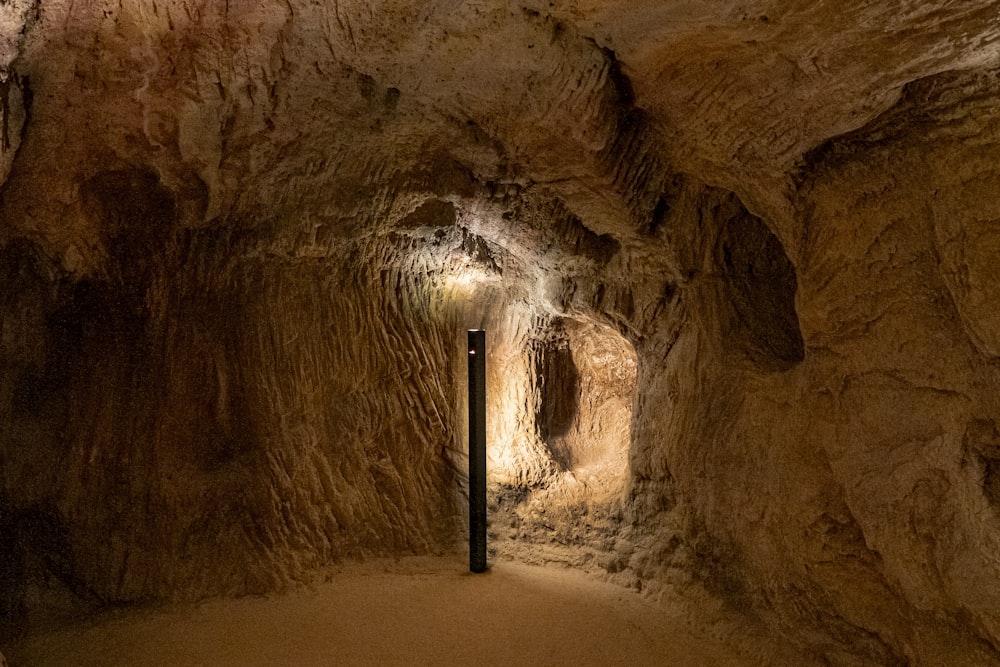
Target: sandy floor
<point x="417" y="611"/>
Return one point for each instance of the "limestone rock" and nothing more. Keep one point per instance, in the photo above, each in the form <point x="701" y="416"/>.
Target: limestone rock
<point x="736" y="263"/>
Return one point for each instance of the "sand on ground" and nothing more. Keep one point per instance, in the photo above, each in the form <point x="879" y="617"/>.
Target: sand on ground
<point x="414" y="611"/>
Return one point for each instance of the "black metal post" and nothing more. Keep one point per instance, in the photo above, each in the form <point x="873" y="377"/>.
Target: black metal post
<point x="477" y="450"/>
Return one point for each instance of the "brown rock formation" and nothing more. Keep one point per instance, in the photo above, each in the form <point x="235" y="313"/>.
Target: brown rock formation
<point x="736" y="264"/>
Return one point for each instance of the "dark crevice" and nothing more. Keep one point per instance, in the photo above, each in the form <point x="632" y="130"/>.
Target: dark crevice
<point x="432" y="213"/>
<point x="559" y="384"/>
<point x="616" y="77"/>
<point x="759" y="285"/>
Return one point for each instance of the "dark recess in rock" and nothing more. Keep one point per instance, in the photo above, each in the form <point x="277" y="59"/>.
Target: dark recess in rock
<point x="760" y="285"/>
<point x="136" y="215"/>
<point x="560" y="388"/>
<point x="619" y="81"/>
<point x="432" y="213"/>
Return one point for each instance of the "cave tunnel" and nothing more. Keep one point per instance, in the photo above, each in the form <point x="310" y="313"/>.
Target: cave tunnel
<point x="737" y="265"/>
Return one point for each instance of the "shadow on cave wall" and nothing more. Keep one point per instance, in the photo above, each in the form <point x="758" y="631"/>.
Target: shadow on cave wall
<point x="759" y="285"/>
<point x="39" y="355"/>
<point x="559" y="402"/>
<point x="78" y="397"/>
<point x="136" y="215"/>
<point x="37" y="581"/>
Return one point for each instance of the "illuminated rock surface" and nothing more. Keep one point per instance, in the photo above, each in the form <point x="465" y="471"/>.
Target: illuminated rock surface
<point x="737" y="265"/>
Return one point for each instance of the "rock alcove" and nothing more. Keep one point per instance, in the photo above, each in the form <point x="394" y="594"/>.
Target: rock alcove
<point x="737" y="266"/>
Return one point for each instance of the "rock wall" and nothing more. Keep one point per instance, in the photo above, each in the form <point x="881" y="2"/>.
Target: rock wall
<point x="737" y="284"/>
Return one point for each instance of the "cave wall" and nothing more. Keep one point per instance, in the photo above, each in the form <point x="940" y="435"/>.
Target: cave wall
<point x="916" y="386"/>
<point x="249" y="425"/>
<point x="851" y="468"/>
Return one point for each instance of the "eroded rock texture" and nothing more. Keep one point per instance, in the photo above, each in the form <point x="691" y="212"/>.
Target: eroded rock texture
<point x="736" y="265"/>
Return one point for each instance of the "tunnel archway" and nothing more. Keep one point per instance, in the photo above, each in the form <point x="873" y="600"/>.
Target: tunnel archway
<point x="558" y="492"/>
<point x="587" y="376"/>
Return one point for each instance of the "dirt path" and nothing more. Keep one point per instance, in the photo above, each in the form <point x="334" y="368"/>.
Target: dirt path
<point x="418" y="611"/>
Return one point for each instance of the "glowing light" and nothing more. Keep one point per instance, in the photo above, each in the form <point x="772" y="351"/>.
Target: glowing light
<point x="461" y="285"/>
<point x="468" y="277"/>
<point x="463" y="279"/>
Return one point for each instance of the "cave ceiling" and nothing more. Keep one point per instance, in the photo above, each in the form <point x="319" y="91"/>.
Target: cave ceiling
<point x="245" y="109"/>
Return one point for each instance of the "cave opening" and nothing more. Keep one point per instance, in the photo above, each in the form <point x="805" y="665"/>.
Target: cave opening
<point x="587" y="383"/>
<point x="561" y="392"/>
<point x="561" y="459"/>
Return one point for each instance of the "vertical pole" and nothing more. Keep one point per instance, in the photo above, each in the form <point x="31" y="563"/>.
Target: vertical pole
<point x="477" y="450"/>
